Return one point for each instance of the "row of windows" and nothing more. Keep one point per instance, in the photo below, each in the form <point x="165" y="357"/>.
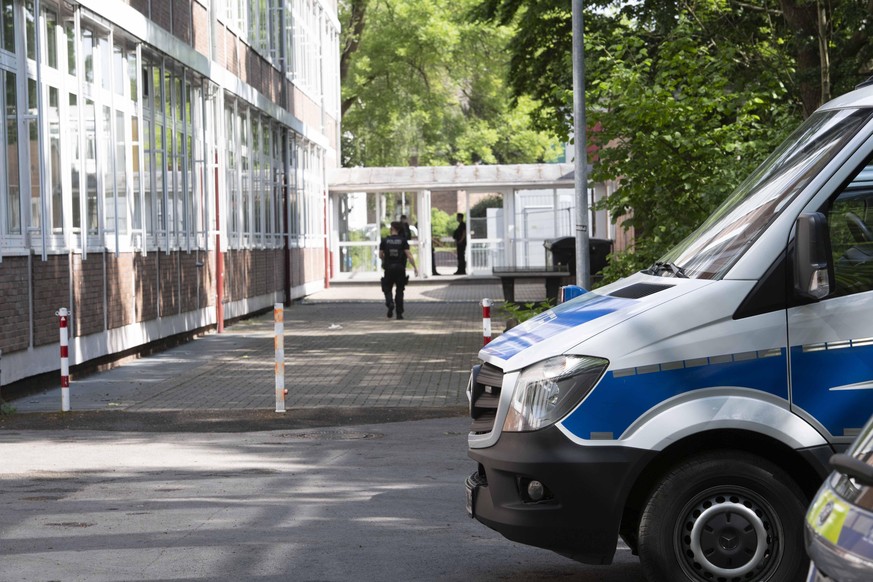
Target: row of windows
<point x="110" y="145"/>
<point x="310" y="37"/>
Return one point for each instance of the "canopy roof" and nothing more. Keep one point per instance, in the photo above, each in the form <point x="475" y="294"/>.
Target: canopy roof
<point x="470" y="178"/>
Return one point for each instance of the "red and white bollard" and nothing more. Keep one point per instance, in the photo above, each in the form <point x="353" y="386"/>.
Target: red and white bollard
<point x="486" y="321"/>
<point x="279" y="345"/>
<point x="63" y="316"/>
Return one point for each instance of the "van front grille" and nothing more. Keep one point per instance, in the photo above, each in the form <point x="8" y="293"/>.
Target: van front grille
<point x="484" y="398"/>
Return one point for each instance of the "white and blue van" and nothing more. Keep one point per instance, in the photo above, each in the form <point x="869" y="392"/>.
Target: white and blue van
<point x="691" y="408"/>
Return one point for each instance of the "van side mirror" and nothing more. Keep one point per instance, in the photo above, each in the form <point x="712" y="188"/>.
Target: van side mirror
<point x="812" y="269"/>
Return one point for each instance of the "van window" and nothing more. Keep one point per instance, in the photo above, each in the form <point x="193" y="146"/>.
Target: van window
<point x="712" y="249"/>
<point x="850" y="219"/>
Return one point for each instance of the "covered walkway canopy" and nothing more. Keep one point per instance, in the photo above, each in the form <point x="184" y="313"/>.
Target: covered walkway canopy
<point x="538" y="203"/>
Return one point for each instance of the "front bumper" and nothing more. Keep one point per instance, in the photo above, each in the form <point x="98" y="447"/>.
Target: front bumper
<point x="587" y="488"/>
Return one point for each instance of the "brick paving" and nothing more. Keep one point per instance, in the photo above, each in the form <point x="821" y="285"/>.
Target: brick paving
<point x="340" y="351"/>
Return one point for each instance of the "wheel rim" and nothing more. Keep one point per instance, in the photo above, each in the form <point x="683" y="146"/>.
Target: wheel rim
<point x="728" y="536"/>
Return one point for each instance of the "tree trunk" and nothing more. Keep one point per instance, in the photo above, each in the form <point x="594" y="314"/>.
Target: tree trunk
<point x="802" y="17"/>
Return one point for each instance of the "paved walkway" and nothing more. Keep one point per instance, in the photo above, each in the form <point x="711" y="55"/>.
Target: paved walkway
<point x="341" y="351"/>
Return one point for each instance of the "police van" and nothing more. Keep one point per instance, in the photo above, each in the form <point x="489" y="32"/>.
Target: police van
<point x="691" y="409"/>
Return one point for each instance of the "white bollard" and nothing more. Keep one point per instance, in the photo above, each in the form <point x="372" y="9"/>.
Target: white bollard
<point x="63" y="315"/>
<point x="279" y="345"/>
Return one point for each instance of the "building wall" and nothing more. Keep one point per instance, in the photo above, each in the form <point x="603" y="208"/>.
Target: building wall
<point x="134" y="253"/>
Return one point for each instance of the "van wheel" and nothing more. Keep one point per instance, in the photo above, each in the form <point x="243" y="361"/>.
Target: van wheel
<point x="724" y="517"/>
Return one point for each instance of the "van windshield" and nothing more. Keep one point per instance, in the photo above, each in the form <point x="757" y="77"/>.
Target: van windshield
<point x="716" y="245"/>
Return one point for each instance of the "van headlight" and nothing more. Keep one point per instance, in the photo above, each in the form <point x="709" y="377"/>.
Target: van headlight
<point x="546" y="391"/>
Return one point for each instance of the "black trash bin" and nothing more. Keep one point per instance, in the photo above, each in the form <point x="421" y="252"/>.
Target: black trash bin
<point x="563" y="253"/>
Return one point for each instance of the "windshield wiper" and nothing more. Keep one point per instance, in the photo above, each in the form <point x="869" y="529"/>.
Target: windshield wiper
<point x="659" y="267"/>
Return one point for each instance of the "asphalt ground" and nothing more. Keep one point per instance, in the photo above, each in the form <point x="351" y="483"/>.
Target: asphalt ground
<point x="345" y="363"/>
<point x="177" y="466"/>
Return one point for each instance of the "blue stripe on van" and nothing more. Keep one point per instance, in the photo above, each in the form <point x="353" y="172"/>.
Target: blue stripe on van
<point x="816" y="371"/>
<point x="552" y="322"/>
<point x="623" y="396"/>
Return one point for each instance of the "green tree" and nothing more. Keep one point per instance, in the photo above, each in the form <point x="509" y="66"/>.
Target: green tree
<point x="480" y="209"/>
<point x="424" y="86"/>
<point x="683" y="98"/>
<point x="442" y="224"/>
<point x="681" y="122"/>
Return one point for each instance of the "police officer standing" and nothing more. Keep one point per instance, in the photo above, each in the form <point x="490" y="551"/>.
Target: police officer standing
<point x="394" y="252"/>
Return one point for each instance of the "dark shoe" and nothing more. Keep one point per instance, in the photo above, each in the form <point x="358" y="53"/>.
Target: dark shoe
<point x="399" y="316"/>
<point x="390" y="312"/>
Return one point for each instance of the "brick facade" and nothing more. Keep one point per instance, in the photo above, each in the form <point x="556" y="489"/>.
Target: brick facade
<point x="14" y="308"/>
<point x="88" y="308"/>
<point x="119" y="288"/>
<point x="146" y="276"/>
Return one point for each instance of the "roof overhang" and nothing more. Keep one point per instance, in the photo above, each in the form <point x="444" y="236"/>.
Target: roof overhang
<point x="471" y="178"/>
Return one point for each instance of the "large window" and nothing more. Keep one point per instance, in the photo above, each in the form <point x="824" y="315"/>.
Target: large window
<point x="173" y="195"/>
<point x="259" y="22"/>
<point x="254" y="177"/>
<point x="9" y="163"/>
<point x="306" y="220"/>
<point x="104" y="143"/>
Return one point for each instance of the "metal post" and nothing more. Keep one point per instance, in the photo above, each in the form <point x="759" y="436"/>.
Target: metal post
<point x="486" y="321"/>
<point x="279" y="344"/>
<point x="63" y="314"/>
<point x="580" y="150"/>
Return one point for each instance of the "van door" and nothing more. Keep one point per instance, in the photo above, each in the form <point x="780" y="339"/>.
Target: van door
<point x="831" y="341"/>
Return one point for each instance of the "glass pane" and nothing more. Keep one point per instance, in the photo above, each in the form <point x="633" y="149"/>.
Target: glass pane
<point x="121" y="173"/>
<point x="54" y="160"/>
<point x="147" y="181"/>
<point x="32" y="97"/>
<point x="118" y="69"/>
<point x="88" y="54"/>
<point x="131" y="73"/>
<point x="159" y="192"/>
<point x="157" y="90"/>
<point x="8" y="26"/>
<point x="136" y="174"/>
<point x="75" y="162"/>
<point x="70" y="31"/>
<point x="105" y="62"/>
<point x="168" y="91"/>
<point x="55" y="174"/>
<point x="30" y="36"/>
<point x="51" y="38"/>
<point x="106" y="163"/>
<point x="35" y="198"/>
<point x="90" y="166"/>
<point x="13" y="182"/>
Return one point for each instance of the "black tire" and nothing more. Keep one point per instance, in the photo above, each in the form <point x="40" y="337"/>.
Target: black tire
<point x="726" y="516"/>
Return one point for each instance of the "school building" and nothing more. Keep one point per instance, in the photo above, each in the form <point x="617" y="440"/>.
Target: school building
<point x="164" y="167"/>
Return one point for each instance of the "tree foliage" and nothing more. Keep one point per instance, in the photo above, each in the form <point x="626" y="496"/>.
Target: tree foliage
<point x="480" y="209"/>
<point x="422" y="85"/>
<point x="683" y="97"/>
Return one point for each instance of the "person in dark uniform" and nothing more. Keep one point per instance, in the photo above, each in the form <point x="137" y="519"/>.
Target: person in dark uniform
<point x="394" y="252"/>
<point x="405" y="230"/>
<point x="460" y="236"/>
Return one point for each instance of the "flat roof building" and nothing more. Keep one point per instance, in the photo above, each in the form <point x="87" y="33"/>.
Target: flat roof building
<point x="165" y="168"/>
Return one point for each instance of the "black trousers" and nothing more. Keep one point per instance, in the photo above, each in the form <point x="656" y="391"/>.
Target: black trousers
<point x="462" y="259"/>
<point x="394" y="281"/>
